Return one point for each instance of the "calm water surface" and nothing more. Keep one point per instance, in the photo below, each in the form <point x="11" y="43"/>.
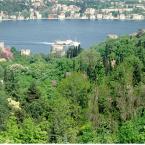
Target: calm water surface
<point x="36" y="34"/>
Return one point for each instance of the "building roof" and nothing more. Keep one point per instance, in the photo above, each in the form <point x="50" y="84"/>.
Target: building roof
<point x="67" y="42"/>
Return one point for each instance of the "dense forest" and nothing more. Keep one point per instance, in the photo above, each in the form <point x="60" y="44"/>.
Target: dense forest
<point x="96" y="97"/>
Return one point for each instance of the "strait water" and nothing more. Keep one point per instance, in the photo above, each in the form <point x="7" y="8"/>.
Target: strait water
<point x="37" y="34"/>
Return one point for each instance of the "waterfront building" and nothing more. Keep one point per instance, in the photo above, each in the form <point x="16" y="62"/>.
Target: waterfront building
<point x="60" y="48"/>
<point x="20" y="17"/>
<point x="38" y="15"/>
<point x="112" y="36"/>
<point x="25" y="52"/>
<point x="137" y="17"/>
<point x="2" y="45"/>
<point x="6" y="53"/>
<point x="84" y="17"/>
<point x="13" y="17"/>
<point x="52" y="16"/>
<point x="122" y="17"/>
<point x="61" y="16"/>
<point x="90" y="11"/>
<point x="92" y="17"/>
<point x="99" y="16"/>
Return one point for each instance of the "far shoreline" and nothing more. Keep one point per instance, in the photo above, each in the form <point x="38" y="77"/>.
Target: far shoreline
<point x="3" y="20"/>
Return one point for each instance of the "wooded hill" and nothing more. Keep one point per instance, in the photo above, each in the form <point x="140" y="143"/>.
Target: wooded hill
<point x="96" y="97"/>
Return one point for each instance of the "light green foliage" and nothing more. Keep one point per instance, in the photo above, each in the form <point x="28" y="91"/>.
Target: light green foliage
<point x="133" y="131"/>
<point x="11" y="135"/>
<point x="32" y="133"/>
<point x="28" y="132"/>
<point x="76" y="88"/>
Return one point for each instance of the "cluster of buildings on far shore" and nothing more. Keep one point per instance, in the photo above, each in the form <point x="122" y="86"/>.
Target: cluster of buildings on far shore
<point x="90" y="13"/>
<point x="60" y="11"/>
<point x="33" y="14"/>
<point x="117" y="10"/>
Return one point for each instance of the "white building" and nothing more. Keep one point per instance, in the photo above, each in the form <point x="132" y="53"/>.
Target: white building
<point x="14" y="17"/>
<point x="2" y="45"/>
<point x="122" y="17"/>
<point x="92" y="17"/>
<point x="59" y="48"/>
<point x="121" y="10"/>
<point x="25" y="52"/>
<point x="99" y="16"/>
<point x="90" y="11"/>
<point x="137" y="17"/>
<point x="84" y="17"/>
<point x="61" y="16"/>
<point x="38" y="15"/>
<point x="108" y="16"/>
<point x="112" y="36"/>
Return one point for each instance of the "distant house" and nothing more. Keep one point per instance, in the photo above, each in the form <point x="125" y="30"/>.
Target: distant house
<point x="1" y="45"/>
<point x="137" y="17"/>
<point x="5" y="53"/>
<point x="99" y="16"/>
<point x="25" y="52"/>
<point x="112" y="36"/>
<point x="61" y="16"/>
<point x="122" y="17"/>
<point x="61" y="48"/>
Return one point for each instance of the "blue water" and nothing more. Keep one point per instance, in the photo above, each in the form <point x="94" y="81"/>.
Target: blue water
<point x="36" y="34"/>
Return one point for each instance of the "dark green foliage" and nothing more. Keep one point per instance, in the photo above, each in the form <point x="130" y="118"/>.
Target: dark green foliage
<point x="10" y="83"/>
<point x="33" y="93"/>
<point x="91" y="62"/>
<point x="12" y="6"/>
<point x="73" y="52"/>
<point x="136" y="74"/>
<point x="4" y="110"/>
